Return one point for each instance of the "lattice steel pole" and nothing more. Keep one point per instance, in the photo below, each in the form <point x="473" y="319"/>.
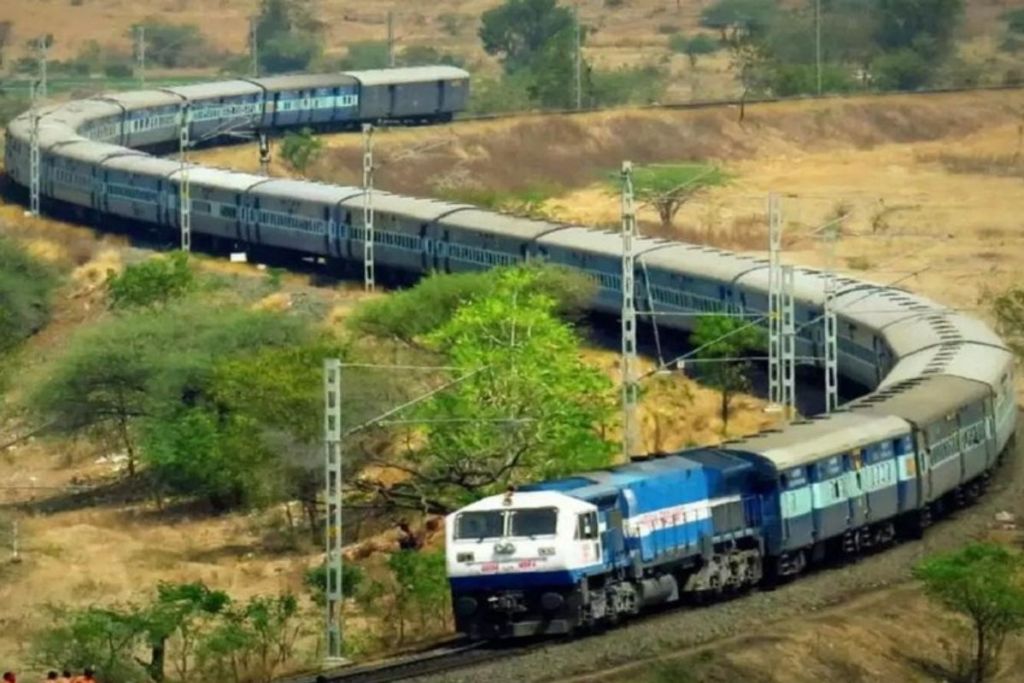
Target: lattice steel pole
<point x="43" y="48"/>
<point x="774" y="300"/>
<point x="33" y="155"/>
<point x="369" y="276"/>
<point x="830" y="337"/>
<point x="788" y="343"/>
<point x="629" y="383"/>
<point x="141" y="53"/>
<point x="333" y="502"/>
<point x="185" y="190"/>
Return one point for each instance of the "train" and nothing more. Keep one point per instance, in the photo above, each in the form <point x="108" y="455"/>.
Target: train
<point x="556" y="556"/>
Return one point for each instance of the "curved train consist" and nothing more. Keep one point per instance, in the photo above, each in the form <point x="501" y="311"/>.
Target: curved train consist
<point x="593" y="548"/>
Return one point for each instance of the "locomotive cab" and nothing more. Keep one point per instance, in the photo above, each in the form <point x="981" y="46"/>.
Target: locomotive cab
<point x="515" y="562"/>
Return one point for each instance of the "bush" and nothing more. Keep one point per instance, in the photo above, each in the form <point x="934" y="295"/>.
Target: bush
<point x="426" y="55"/>
<point x="1015" y="20"/>
<point x="154" y="281"/>
<point x="367" y="54"/>
<point x="118" y="70"/>
<point x="301" y="149"/>
<point x="802" y="79"/>
<point x="901" y="70"/>
<point x="503" y="94"/>
<point x="175" y="45"/>
<point x="25" y="289"/>
<point x="628" y="85"/>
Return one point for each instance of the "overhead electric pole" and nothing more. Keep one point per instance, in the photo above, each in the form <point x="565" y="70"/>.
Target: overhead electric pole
<point x="264" y="143"/>
<point x="140" y="52"/>
<point x="254" y="47"/>
<point x="830" y="337"/>
<point x="43" y="48"/>
<point x="369" y="277"/>
<point x="817" y="40"/>
<point x="629" y="359"/>
<point x="578" y="64"/>
<point x="788" y="343"/>
<point x="185" y="190"/>
<point x="774" y="300"/>
<point x="391" y="39"/>
<point x="333" y="502"/>
<point x="34" y="168"/>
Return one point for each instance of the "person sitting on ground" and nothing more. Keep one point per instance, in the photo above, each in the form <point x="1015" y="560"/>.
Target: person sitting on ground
<point x="9" y="677"/>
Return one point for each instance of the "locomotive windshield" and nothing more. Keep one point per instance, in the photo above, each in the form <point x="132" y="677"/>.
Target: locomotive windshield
<point x="502" y="523"/>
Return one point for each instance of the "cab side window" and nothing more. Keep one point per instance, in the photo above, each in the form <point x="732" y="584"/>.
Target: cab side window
<point x="586" y="527"/>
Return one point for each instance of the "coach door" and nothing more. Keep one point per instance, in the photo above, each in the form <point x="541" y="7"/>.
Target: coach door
<point x="924" y="467"/>
<point x="855" y="488"/>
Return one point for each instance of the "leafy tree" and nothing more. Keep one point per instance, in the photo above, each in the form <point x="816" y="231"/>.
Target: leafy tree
<point x="421" y="587"/>
<point x="552" y="72"/>
<point x="668" y="187"/>
<point x="315" y="579"/>
<point x="411" y="314"/>
<point x="801" y="79"/>
<point x="924" y="26"/>
<point x="1014" y="20"/>
<point x="626" y="85"/>
<point x="522" y="404"/>
<point x="489" y="95"/>
<point x="694" y="46"/>
<point x="148" y="366"/>
<point x="1008" y="309"/>
<point x="252" y="642"/>
<point x="904" y="69"/>
<point x="739" y="19"/>
<point x="174" y="45"/>
<point x="104" y="638"/>
<point x="154" y="281"/>
<point x="25" y="289"/>
<point x="176" y="613"/>
<point x="982" y="582"/>
<point x="519" y="30"/>
<point x="301" y="149"/>
<point x="721" y="339"/>
<point x="289" y="38"/>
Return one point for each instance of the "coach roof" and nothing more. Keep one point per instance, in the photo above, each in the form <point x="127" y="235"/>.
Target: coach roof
<point x="412" y="74"/>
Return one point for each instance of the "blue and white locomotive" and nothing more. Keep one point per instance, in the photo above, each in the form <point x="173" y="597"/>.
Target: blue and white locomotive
<point x="596" y="547"/>
<point x="601" y="546"/>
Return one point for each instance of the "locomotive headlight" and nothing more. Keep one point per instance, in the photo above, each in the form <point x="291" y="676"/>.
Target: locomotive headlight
<point x="546" y="552"/>
<point x="464" y="557"/>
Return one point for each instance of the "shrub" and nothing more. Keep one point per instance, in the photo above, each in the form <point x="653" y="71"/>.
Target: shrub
<point x="628" y="85"/>
<point x="118" y="70"/>
<point x="154" y="281"/>
<point x="25" y="289"/>
<point x="901" y="70"/>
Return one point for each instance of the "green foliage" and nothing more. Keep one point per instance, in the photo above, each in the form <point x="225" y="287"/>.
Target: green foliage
<point x="178" y="613"/>
<point x="669" y="186"/>
<point x="802" y="79"/>
<point x="694" y="46"/>
<point x="301" y="149"/>
<point x="102" y="638"/>
<point x="735" y="18"/>
<point x="174" y="45"/>
<point x="428" y="55"/>
<point x="517" y="31"/>
<point x="289" y="38"/>
<point x="315" y="579"/>
<point x="1008" y="309"/>
<point x="118" y="70"/>
<point x="252" y="642"/>
<point x="904" y="69"/>
<point x="155" y="281"/>
<point x="366" y="54"/>
<point x="984" y="583"/>
<point x="719" y="339"/>
<point x="526" y="406"/>
<point x="26" y="286"/>
<point x="626" y="85"/>
<point x="924" y="26"/>
<point x="411" y="314"/>
<point x="422" y="590"/>
<point x="503" y="94"/>
<point x="1014" y="20"/>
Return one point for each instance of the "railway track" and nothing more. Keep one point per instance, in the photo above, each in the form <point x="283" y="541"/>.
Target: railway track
<point x="449" y="656"/>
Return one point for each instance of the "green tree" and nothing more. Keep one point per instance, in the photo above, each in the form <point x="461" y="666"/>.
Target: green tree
<point x="518" y="30"/>
<point x="694" y="46"/>
<point x="626" y="85"/>
<point x="26" y="286"/>
<point x="174" y="45"/>
<point x="301" y="149"/>
<point x="104" y="638"/>
<point x="421" y="588"/>
<point x="720" y="340"/>
<point x="522" y="404"/>
<point x="984" y="583"/>
<point x="289" y="38"/>
<point x="924" y="26"/>
<point x="428" y="55"/>
<point x="146" y="368"/>
<point x="154" y="281"/>
<point x="1014" y="20"/>
<point x="739" y="19"/>
<point x="668" y="187"/>
<point x="1008" y="308"/>
<point x="177" y="614"/>
<point x="904" y="69"/>
<point x="251" y="642"/>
